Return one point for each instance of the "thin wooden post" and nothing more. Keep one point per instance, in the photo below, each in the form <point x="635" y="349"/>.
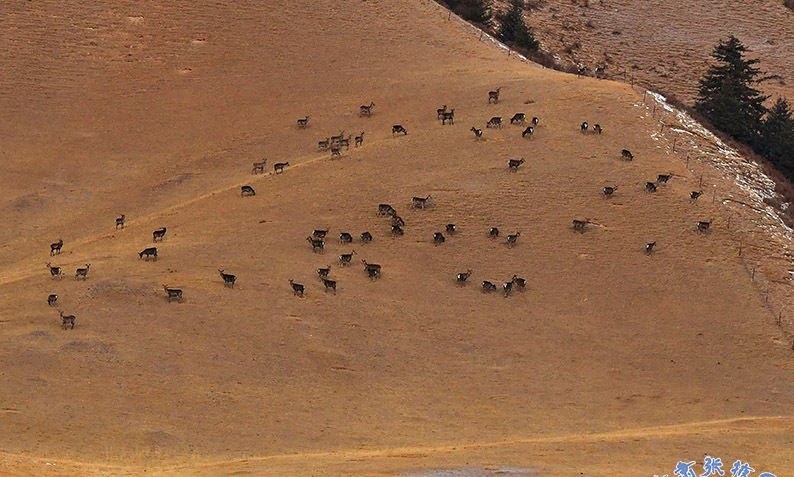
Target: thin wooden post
<point x="674" y="141"/>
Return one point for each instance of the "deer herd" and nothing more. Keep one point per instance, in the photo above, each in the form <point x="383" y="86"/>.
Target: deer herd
<point x="373" y="271"/>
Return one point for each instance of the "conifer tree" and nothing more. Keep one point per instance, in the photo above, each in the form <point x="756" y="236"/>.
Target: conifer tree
<point x="777" y="137"/>
<point x="513" y="30"/>
<point x="477" y="11"/>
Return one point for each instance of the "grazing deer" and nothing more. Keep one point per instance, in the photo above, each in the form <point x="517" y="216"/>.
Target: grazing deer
<point x="488" y="286"/>
<point x="303" y="122"/>
<point x="440" y="111"/>
<point x="695" y="194"/>
<point x="55" y="247"/>
<point x="336" y="151"/>
<point x="148" y="252"/>
<point x="420" y="202"/>
<point x="608" y="191"/>
<point x="228" y="279"/>
<point x="462" y="277"/>
<point x="55" y="271"/>
<point x="386" y="209"/>
<point x="579" y="225"/>
<point x="397" y="230"/>
<point x="360" y="139"/>
<point x="519" y="282"/>
<point x="159" y="234"/>
<point x="512" y="239"/>
<point x="703" y="226"/>
<point x="535" y="120"/>
<point x="597" y="129"/>
<point x="494" y="122"/>
<point x="371" y="266"/>
<point x="345" y="141"/>
<point x="663" y="178"/>
<point x="338" y="137"/>
<point x="494" y="96"/>
<point x="493" y="232"/>
<point x="528" y="132"/>
<point x="366" y="237"/>
<point x="346" y="258"/>
<point x="627" y="155"/>
<point x="258" y="167"/>
<point x="365" y="110"/>
<point x="477" y="132"/>
<point x="583" y="127"/>
<point x="438" y="238"/>
<point x="397" y="128"/>
<point x="345" y="237"/>
<point x="450" y="228"/>
<point x="329" y="284"/>
<point x="323" y="272"/>
<point x="518" y="118"/>
<point x="52" y="299"/>
<point x="67" y="321"/>
<point x="319" y="233"/>
<point x="507" y="287"/>
<point x="297" y="288"/>
<point x="120" y="221"/>
<point x="650" y="187"/>
<point x="448" y="116"/>
<point x="324" y="144"/>
<point x="246" y="191"/>
<point x="278" y="167"/>
<point x="173" y="293"/>
<point x="649" y="247"/>
<point x="82" y="272"/>
<point x="513" y="164"/>
<point x="317" y="244"/>
<point x="397" y="220"/>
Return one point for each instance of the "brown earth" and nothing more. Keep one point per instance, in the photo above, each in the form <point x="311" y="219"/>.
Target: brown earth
<point x="611" y="362"/>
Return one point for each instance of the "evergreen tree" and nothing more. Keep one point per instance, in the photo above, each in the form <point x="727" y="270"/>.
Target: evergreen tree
<point x="513" y="30"/>
<point x="477" y="11"/>
<point x="726" y="96"/>
<point x="777" y="134"/>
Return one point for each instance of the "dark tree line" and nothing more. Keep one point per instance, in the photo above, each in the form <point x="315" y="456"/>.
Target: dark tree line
<point x="728" y="99"/>
<point x="511" y="29"/>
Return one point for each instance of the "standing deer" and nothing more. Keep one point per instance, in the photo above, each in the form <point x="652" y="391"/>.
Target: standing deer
<point x="493" y="232"/>
<point x="420" y="202"/>
<point x="120" y="221"/>
<point x="67" y="321"/>
<point x="346" y="258"/>
<point x="259" y="167"/>
<point x="528" y="132"/>
<point x="303" y="122"/>
<point x="440" y="111"/>
<point x="297" y="288"/>
<point x="438" y="238"/>
<point x="360" y="139"/>
<point x="462" y="277"/>
<point x="173" y="293"/>
<point x="649" y="247"/>
<point x="512" y="239"/>
<point x="477" y="132"/>
<point x="329" y="284"/>
<point x="278" y="167"/>
<point x="228" y="279"/>
<point x="365" y="110"/>
<point x="317" y="244"/>
<point x="448" y="116"/>
<point x="159" y="234"/>
<point x="583" y="127"/>
<point x="148" y="252"/>
<point x="55" y="247"/>
<point x="494" y="95"/>
<point x="366" y="237"/>
<point x="597" y="129"/>
<point x="513" y="164"/>
<point x="55" y="271"/>
<point x="82" y="272"/>
<point x="52" y="299"/>
<point x="324" y="144"/>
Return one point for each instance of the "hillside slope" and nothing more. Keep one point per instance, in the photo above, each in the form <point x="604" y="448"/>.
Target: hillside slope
<point x="610" y="361"/>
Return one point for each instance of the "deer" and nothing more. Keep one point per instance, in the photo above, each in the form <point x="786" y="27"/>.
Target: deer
<point x="324" y="144"/>
<point x="695" y="194"/>
<point x="528" y="132"/>
<point x="663" y="178"/>
<point x="494" y="122"/>
<point x="55" y="247"/>
<point x="451" y="228"/>
<point x="579" y="225"/>
<point x="461" y="277"/>
<point x="345" y="141"/>
<point x="448" y="116"/>
<point x="371" y="266"/>
<point x="148" y="252"/>
<point x="518" y="118"/>
<point x="365" y="110"/>
<point x="494" y="96"/>
<point x="336" y="151"/>
<point x="366" y="237"/>
<point x="297" y="288"/>
<point x="323" y="272"/>
<point x="609" y="190"/>
<point x="519" y="282"/>
<point x="477" y="132"/>
<point x="627" y="155"/>
<point x="338" y="137"/>
<point x="397" y="220"/>
<point x="512" y="239"/>
<point x="346" y="258"/>
<point x="173" y="293"/>
<point x="319" y="233"/>
<point x="649" y="247"/>
<point x="246" y="191"/>
<point x="258" y="167"/>
<point x="82" y="272"/>
<point x="52" y="299"/>
<point x="303" y="122"/>
<point x="488" y="286"/>
<point x="398" y="128"/>
<point x="419" y="202"/>
<point x="345" y="237"/>
<point x="359" y="140"/>
<point x="597" y="129"/>
<point x="55" y="271"/>
<point x="120" y="221"/>
<point x="67" y="321"/>
<point x="317" y="244"/>
<point x="159" y="234"/>
<point x="512" y="164"/>
<point x="493" y="232"/>
<point x="440" y="111"/>
<point x="438" y="238"/>
<point x="650" y="187"/>
<point x="386" y="209"/>
<point x="508" y="288"/>
<point x="703" y="226"/>
<point x="278" y="167"/>
<point x="583" y="127"/>
<point x="397" y="230"/>
<point x="535" y="120"/>
<point x="329" y="284"/>
<point x="228" y="278"/>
